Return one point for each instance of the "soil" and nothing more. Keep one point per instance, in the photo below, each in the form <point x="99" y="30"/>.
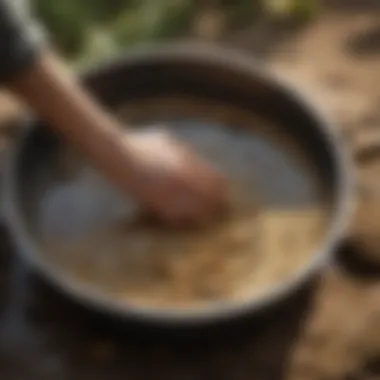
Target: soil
<point x="331" y="331"/>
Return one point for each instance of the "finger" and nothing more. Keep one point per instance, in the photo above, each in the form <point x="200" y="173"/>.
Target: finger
<point x="187" y="204"/>
<point x="177" y="218"/>
<point x="211" y="190"/>
<point x="221" y="192"/>
<point x="185" y="208"/>
<point x="198" y="207"/>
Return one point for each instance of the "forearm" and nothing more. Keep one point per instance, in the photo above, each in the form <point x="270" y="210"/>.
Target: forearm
<point x="178" y="190"/>
<point x="38" y="79"/>
<point x="52" y="92"/>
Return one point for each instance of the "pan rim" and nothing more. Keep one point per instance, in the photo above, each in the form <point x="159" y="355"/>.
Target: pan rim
<point x="96" y="300"/>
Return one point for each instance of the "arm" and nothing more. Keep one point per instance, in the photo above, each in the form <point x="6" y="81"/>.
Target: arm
<point x="48" y="88"/>
<point x="186" y="191"/>
<point x="38" y="78"/>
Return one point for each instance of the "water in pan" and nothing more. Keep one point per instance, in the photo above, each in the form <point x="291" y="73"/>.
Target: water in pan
<point x="86" y="226"/>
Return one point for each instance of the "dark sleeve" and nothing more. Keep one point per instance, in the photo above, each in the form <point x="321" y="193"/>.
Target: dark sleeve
<point x="20" y="38"/>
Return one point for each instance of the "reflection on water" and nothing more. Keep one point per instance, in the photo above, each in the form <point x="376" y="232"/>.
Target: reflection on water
<point x="278" y="218"/>
<point x="271" y="172"/>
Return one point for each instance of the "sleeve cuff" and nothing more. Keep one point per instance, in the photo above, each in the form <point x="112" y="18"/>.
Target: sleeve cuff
<point x="19" y="50"/>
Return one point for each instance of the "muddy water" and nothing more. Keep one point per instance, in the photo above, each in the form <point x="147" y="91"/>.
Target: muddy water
<point x="278" y="218"/>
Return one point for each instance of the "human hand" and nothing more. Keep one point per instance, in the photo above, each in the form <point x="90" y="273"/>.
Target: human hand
<point x="168" y="178"/>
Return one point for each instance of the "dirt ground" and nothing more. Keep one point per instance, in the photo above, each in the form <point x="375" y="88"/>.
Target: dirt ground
<point x="334" y="333"/>
<point x="337" y="60"/>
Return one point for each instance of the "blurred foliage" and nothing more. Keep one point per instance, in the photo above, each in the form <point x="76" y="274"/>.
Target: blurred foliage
<point x="96" y="27"/>
<point x="300" y="9"/>
<point x="67" y="21"/>
<point x="152" y="20"/>
<point x="241" y="12"/>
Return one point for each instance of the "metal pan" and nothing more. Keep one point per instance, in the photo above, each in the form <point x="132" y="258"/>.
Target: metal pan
<point x="201" y="70"/>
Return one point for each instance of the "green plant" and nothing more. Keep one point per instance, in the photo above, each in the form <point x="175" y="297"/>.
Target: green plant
<point x="300" y="9"/>
<point x="71" y="22"/>
<point x="152" y="20"/>
<point x="67" y="23"/>
<point x="242" y="12"/>
<point x="173" y="19"/>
